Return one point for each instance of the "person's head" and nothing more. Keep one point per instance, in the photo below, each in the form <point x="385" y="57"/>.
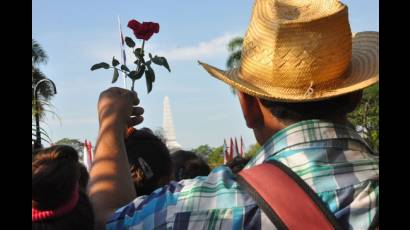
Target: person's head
<point x="149" y="159"/>
<point x="188" y="165"/>
<point x="84" y="177"/>
<point x="58" y="198"/>
<point x="267" y="117"/>
<point x="302" y="59"/>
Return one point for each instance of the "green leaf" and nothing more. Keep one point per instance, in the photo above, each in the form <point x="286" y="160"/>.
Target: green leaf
<point x="100" y="65"/>
<point x="148" y="63"/>
<point x="150" y="55"/>
<point x="150" y="78"/>
<point x="161" y="61"/>
<point x="149" y="85"/>
<point x="125" y="68"/>
<point x="130" y="43"/>
<point x="132" y="74"/>
<point x="140" y="72"/>
<point x="151" y="73"/>
<point x="138" y="54"/>
<point x="157" y="60"/>
<point x="115" y="62"/>
<point x="115" y="77"/>
<point x="166" y="65"/>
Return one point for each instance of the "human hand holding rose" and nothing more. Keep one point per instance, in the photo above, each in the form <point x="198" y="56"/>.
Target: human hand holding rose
<point x="142" y="31"/>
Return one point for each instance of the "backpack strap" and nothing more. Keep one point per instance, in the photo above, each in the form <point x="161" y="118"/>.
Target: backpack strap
<point x="286" y="199"/>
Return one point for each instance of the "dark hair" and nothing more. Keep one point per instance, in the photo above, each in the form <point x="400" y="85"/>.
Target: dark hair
<point x="188" y="165"/>
<point x="144" y="144"/>
<point x="55" y="174"/>
<point x="325" y="109"/>
<point x="84" y="177"/>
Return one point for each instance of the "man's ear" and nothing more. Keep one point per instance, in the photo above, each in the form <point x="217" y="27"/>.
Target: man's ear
<point x="251" y="110"/>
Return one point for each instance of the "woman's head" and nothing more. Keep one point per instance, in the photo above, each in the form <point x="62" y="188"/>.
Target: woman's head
<point x="57" y="191"/>
<point x="149" y="159"/>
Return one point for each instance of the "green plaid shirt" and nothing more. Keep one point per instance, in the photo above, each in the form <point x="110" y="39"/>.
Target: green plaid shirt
<point x="331" y="158"/>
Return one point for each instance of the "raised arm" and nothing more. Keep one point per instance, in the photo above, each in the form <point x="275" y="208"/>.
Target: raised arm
<point x="110" y="185"/>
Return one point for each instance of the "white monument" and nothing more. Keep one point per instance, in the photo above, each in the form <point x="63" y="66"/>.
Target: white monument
<point x="168" y="126"/>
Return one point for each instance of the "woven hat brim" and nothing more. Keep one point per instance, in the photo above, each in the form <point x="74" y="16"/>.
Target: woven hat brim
<point x="363" y="72"/>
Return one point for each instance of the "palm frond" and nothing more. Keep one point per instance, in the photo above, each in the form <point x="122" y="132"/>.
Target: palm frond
<point x="45" y="90"/>
<point x="235" y="44"/>
<point x="38" y="55"/>
<point x="42" y="132"/>
<point x="44" y="107"/>
<point x="234" y="59"/>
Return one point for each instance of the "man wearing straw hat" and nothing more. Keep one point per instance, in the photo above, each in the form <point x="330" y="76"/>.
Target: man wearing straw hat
<point x="302" y="70"/>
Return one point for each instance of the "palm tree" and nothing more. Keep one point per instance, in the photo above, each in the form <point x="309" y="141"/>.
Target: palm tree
<point x="235" y="50"/>
<point x="45" y="92"/>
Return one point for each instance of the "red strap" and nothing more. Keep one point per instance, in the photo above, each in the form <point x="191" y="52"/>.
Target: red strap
<point x="294" y="207"/>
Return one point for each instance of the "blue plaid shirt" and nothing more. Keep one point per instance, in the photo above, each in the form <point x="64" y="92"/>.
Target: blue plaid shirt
<point x="331" y="158"/>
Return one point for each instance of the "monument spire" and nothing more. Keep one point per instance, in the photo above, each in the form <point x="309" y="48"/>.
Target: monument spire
<point x="168" y="126"/>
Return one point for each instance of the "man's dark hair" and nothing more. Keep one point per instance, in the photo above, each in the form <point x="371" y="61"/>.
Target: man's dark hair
<point x="325" y="109"/>
<point x="188" y="165"/>
<point x="144" y="144"/>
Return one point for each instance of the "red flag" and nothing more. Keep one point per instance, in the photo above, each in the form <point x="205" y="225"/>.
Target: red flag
<point x="86" y="156"/>
<point x="90" y="151"/>
<point x="231" y="151"/>
<point x="236" y="149"/>
<point x="242" y="148"/>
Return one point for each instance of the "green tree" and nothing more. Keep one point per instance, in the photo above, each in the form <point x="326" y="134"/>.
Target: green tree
<point x="45" y="92"/>
<point x="216" y="158"/>
<point x="235" y="52"/>
<point x="75" y="143"/>
<point x="203" y="150"/>
<point x="252" y="150"/>
<point x="366" y="117"/>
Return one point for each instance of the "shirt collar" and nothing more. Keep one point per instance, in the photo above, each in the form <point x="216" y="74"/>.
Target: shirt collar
<point x="307" y="131"/>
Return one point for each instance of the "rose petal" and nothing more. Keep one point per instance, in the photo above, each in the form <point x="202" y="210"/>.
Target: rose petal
<point x="156" y="28"/>
<point x="143" y="30"/>
<point x="134" y="24"/>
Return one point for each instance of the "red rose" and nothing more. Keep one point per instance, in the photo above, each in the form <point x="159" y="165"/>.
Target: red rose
<point x="144" y="30"/>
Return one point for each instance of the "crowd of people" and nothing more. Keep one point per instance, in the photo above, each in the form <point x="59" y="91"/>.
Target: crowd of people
<point x="59" y="197"/>
<point x="301" y="72"/>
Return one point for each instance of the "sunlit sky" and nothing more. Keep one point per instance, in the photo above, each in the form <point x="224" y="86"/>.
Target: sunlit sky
<point x="77" y="34"/>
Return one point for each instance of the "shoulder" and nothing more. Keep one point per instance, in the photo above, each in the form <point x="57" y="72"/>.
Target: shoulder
<point x="218" y="190"/>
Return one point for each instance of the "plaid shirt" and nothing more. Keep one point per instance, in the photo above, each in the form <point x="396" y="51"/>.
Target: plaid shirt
<point x="331" y="158"/>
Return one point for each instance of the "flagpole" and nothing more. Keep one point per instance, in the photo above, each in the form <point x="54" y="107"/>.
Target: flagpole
<point x="86" y="156"/>
<point x="122" y="50"/>
<point x="225" y="152"/>
<point x="242" y="147"/>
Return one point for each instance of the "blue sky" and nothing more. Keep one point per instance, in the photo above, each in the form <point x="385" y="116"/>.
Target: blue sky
<point x="77" y="34"/>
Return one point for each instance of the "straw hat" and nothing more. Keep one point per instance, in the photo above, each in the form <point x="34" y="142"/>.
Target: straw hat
<point x="302" y="50"/>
